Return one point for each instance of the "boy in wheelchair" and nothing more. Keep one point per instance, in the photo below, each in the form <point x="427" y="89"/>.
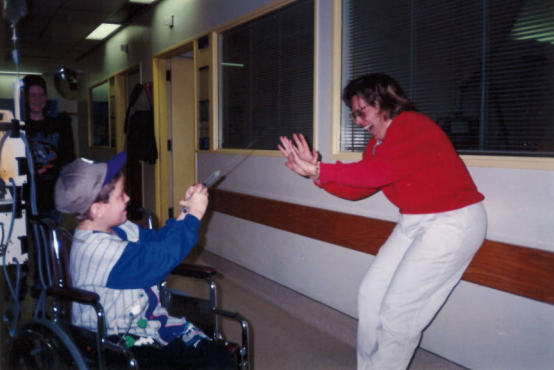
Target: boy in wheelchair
<point x="123" y="264"/>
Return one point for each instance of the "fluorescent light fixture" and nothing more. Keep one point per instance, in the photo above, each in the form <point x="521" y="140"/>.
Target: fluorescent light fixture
<point x="20" y="73"/>
<point x="103" y="31"/>
<point x="142" y="1"/>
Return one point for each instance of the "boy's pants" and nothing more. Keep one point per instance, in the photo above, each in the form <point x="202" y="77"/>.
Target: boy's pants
<point x="206" y="355"/>
<point x="410" y="279"/>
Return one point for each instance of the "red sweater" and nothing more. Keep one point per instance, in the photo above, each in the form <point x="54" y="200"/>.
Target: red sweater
<point x="416" y="166"/>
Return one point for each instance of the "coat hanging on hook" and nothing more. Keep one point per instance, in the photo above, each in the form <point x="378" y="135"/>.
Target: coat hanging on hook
<point x="140" y="142"/>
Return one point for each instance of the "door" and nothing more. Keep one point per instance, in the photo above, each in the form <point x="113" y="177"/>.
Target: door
<point x="182" y="158"/>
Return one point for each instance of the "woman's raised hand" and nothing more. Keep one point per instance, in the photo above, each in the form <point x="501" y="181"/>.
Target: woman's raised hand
<point x="299" y="157"/>
<point x="304" y="149"/>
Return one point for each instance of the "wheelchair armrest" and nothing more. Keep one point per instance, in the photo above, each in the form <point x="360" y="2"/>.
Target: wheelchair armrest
<point x="74" y="294"/>
<point x="244" y="353"/>
<point x="89" y="298"/>
<point x="195" y="271"/>
<point x="84" y="297"/>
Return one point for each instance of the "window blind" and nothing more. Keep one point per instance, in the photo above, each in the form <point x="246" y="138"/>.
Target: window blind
<point x="266" y="78"/>
<point x="482" y="69"/>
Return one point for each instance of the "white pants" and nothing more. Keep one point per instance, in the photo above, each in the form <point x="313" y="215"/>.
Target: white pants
<point x="410" y="279"/>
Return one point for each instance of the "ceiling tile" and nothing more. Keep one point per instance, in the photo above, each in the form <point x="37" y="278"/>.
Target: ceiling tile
<point x="54" y="31"/>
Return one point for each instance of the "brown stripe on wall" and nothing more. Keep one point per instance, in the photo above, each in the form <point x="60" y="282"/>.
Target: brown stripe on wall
<point x="514" y="269"/>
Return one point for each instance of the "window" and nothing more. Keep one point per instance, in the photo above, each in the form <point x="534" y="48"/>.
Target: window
<point x="266" y="71"/>
<point x="482" y="69"/>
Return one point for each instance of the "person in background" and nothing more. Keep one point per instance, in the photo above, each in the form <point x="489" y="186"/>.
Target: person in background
<point x="51" y="141"/>
<point x="442" y="220"/>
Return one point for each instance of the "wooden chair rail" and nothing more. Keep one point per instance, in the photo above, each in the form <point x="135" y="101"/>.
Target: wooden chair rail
<point x="514" y="269"/>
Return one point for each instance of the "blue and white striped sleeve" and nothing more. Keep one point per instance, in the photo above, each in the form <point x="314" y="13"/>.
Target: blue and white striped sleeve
<point x="148" y="262"/>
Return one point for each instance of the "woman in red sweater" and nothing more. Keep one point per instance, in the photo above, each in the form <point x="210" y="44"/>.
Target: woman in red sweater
<point x="442" y="220"/>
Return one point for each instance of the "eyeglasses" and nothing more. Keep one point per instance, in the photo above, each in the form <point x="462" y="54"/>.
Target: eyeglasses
<point x="358" y="113"/>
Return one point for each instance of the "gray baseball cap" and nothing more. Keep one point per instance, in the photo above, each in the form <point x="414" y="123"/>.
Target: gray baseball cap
<point x="81" y="181"/>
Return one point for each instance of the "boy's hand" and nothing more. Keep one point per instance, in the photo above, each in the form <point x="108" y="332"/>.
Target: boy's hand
<point x="195" y="202"/>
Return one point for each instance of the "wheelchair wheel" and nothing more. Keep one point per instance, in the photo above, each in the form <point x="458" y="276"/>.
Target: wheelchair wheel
<point x="41" y="344"/>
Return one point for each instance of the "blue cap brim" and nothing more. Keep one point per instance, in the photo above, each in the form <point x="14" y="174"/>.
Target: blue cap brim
<point x="115" y="164"/>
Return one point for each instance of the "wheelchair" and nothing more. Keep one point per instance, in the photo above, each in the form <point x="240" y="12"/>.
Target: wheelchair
<point x="50" y="341"/>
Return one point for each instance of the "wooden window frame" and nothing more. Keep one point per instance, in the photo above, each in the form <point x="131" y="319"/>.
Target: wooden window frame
<point x="514" y="162"/>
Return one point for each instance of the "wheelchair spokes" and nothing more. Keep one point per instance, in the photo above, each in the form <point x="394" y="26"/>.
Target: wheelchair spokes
<point x="42" y="345"/>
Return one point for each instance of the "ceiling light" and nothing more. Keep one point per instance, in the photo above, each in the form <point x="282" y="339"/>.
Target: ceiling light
<point x="103" y="31"/>
<point x="19" y="73"/>
<point x="142" y="1"/>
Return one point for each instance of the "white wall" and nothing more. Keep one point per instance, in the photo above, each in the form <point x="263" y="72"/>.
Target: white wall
<point x="6" y="86"/>
<point x="479" y="327"/>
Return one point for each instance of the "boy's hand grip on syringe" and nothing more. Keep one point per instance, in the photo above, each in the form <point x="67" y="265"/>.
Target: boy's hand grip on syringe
<point x="195" y="202"/>
<point x="191" y="190"/>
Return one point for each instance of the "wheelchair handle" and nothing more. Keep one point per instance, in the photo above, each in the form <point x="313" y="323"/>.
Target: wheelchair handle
<point x="195" y="271"/>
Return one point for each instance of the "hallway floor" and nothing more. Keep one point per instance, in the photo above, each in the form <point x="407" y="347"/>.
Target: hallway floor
<point x="288" y="330"/>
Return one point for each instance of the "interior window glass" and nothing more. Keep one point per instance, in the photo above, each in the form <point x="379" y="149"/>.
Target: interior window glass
<point x="482" y="69"/>
<point x="266" y="69"/>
